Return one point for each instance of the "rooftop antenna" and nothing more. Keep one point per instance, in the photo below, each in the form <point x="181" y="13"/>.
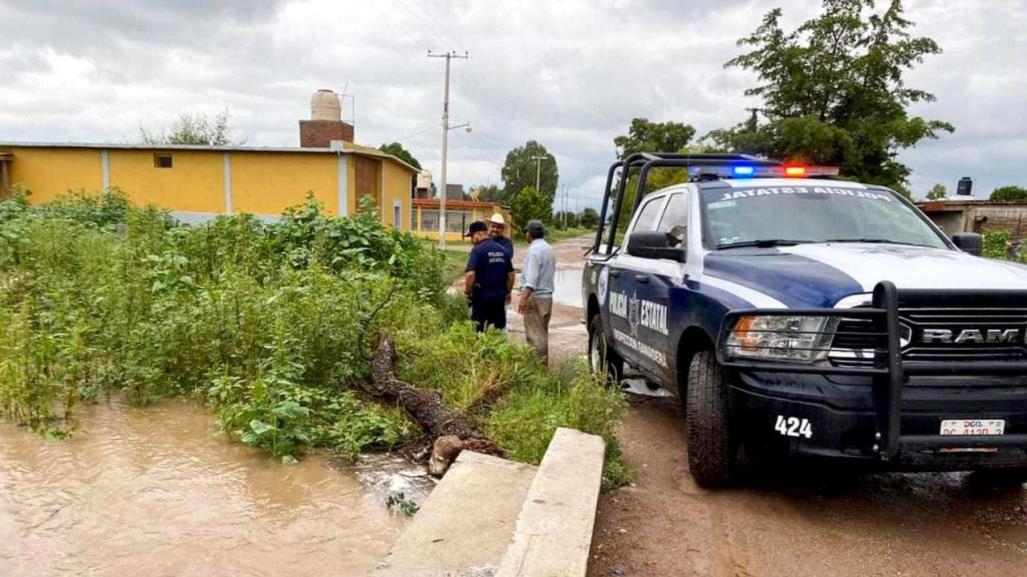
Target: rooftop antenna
<point x="353" y="108"/>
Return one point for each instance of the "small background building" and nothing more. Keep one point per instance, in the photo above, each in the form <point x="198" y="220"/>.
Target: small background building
<point x="459" y="214"/>
<point x="424" y="187"/>
<point x="954" y="216"/>
<point x="197" y="183"/>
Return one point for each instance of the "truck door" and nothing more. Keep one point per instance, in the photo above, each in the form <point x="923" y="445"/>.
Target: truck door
<point x="652" y="282"/>
<point x="628" y="288"/>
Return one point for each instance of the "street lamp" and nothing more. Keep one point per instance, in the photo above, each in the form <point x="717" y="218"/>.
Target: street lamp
<point x="442" y="197"/>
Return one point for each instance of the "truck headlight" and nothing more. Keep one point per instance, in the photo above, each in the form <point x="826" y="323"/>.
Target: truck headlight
<point x="781" y="337"/>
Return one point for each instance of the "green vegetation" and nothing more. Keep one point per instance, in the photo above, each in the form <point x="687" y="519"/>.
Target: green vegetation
<point x="834" y="91"/>
<point x="521" y="167"/>
<point x="270" y="325"/>
<point x="558" y="234"/>
<point x="528" y="205"/>
<point x="194" y="129"/>
<point x="396" y="149"/>
<point x="1009" y="193"/>
<point x="937" y="192"/>
<point x="398" y="500"/>
<point x="1000" y="244"/>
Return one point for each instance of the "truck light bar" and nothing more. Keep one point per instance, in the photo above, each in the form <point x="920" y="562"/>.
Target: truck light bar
<point x="758" y="171"/>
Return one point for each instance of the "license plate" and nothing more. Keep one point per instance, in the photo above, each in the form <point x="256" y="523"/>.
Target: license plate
<point x="958" y="427"/>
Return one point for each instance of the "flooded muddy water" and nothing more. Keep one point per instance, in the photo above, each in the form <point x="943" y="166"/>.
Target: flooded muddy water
<point x="157" y="492"/>
<point x="567" y="286"/>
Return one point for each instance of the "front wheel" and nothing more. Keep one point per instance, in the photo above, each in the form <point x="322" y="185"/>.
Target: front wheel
<point x="602" y="359"/>
<point x="712" y="449"/>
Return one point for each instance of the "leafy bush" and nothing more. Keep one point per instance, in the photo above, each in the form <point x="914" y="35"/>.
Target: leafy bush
<point x="996" y="244"/>
<point x="1002" y="245"/>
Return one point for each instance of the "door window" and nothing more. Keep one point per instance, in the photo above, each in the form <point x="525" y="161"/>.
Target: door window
<point x="676" y="213"/>
<point x="647" y="216"/>
<point x="675" y="218"/>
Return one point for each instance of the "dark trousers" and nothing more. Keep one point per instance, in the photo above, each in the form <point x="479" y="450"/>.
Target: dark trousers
<point x="488" y="312"/>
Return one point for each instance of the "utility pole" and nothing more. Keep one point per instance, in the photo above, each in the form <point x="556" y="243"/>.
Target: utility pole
<point x="445" y="146"/>
<point x="538" y="158"/>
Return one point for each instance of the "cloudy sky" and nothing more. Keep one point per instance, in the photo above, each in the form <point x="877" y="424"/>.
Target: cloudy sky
<point x="570" y="74"/>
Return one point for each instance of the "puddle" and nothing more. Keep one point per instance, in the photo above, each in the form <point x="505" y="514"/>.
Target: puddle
<point x="567" y="287"/>
<point x="157" y="492"/>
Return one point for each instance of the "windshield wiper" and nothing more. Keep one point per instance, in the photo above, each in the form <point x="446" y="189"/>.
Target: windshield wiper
<point x="762" y="243"/>
<point x="874" y="241"/>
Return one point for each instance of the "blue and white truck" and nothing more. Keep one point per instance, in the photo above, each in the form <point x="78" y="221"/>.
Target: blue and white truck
<point x="799" y="315"/>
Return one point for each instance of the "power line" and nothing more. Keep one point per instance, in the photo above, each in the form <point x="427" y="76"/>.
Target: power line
<point x="427" y="26"/>
<point x="421" y="131"/>
<point x="442" y="28"/>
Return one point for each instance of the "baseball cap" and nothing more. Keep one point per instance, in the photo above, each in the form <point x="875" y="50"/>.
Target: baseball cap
<point x="476" y="226"/>
<point x="497" y="219"/>
<point x="534" y="226"/>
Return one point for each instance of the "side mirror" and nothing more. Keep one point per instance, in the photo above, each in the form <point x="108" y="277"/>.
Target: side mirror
<point x="655" y="244"/>
<point x="968" y="242"/>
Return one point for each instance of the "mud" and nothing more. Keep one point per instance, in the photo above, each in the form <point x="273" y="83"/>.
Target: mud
<point x="796" y="522"/>
<point x="799" y="522"/>
<point x="157" y="492"/>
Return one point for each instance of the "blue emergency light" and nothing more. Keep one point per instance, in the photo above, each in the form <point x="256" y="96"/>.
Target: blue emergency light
<point x="744" y="170"/>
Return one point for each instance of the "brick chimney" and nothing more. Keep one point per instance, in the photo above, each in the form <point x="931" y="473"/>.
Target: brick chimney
<point x="325" y="124"/>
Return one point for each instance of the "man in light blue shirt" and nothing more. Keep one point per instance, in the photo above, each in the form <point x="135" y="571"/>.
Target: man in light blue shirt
<point x="536" y="302"/>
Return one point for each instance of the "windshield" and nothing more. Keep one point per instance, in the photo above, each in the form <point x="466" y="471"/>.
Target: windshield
<point x="762" y="216"/>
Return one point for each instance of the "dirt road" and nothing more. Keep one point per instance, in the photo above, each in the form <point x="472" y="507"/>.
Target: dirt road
<point x="803" y="523"/>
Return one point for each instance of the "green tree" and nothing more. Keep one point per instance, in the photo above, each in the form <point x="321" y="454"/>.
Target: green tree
<point x="565" y="219"/>
<point x="646" y="136"/>
<point x="520" y="168"/>
<point x="589" y="218"/>
<point x="530" y="204"/>
<point x="396" y="149"/>
<point x="937" y="192"/>
<point x="491" y="193"/>
<point x="833" y="91"/>
<point x="194" y="129"/>
<point x="1009" y="193"/>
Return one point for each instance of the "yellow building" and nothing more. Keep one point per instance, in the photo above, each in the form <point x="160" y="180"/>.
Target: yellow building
<point x="197" y="183"/>
<point x="424" y="217"/>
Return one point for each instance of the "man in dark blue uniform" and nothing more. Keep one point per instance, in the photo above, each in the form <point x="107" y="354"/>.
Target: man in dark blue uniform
<point x="489" y="278"/>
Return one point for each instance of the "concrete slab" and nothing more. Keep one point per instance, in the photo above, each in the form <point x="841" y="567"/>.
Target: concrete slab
<point x="554" y="529"/>
<point x="467" y="522"/>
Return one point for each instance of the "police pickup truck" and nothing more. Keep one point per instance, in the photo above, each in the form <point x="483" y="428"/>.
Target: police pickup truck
<point x="798" y="315"/>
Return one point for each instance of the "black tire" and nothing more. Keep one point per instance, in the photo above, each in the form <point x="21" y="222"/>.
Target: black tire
<point x="712" y="449"/>
<point x="602" y="359"/>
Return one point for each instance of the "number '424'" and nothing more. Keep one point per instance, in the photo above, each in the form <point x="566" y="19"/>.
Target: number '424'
<point x="793" y="427"/>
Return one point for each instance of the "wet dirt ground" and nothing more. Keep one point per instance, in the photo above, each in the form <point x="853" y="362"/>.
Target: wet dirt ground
<point x="157" y="492"/>
<point x="796" y="523"/>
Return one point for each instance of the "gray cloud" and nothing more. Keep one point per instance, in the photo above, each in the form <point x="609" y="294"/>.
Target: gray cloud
<point x="570" y="74"/>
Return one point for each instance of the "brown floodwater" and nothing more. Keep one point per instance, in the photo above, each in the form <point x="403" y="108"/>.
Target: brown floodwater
<point x="157" y="492"/>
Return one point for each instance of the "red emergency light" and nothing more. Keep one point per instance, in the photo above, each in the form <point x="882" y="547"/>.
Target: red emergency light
<point x="795" y="171"/>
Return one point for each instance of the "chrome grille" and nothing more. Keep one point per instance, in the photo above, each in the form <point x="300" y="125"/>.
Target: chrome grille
<point x="856" y="339"/>
<point x="960" y="319"/>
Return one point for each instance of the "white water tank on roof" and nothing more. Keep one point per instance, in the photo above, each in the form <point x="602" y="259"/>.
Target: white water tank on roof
<point x="324" y="105"/>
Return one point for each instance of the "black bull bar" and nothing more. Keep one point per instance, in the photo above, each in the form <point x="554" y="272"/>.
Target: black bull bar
<point x="889" y="370"/>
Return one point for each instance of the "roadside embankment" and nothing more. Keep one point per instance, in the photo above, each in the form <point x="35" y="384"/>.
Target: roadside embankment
<point x="492" y="517"/>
